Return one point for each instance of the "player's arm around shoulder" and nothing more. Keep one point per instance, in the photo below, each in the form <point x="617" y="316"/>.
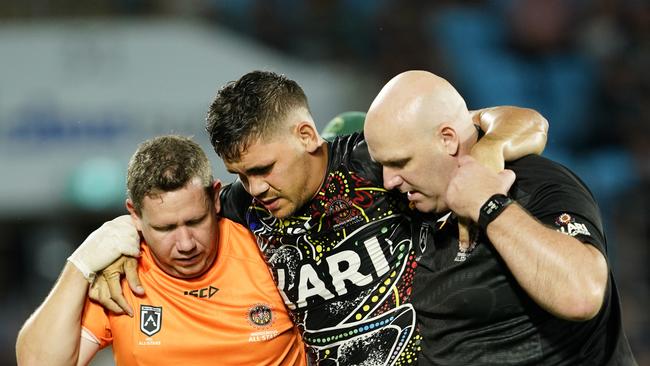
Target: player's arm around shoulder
<point x="52" y="334"/>
<point x="510" y="133"/>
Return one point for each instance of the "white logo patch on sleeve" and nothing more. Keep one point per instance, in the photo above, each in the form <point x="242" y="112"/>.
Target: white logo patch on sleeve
<point x="566" y="224"/>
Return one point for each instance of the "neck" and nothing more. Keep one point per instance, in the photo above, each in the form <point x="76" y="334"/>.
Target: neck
<point x="321" y="161"/>
<point x="469" y="139"/>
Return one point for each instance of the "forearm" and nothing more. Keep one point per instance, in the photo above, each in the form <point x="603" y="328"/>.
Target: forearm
<point x="52" y="334"/>
<point x="512" y="131"/>
<point x="564" y="276"/>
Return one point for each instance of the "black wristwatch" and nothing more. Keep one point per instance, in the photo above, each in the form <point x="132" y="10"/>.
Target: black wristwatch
<point x="492" y="208"/>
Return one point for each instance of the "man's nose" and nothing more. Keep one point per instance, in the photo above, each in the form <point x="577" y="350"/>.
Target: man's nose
<point x="257" y="186"/>
<point x="184" y="239"/>
<point x="391" y="179"/>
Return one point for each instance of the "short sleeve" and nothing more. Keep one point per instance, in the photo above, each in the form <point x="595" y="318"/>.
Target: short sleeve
<point x="96" y="321"/>
<point x="561" y="201"/>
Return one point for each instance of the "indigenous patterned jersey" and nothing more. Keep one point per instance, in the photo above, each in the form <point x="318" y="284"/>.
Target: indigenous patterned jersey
<point x="472" y="311"/>
<point x="343" y="263"/>
<point x="231" y="315"/>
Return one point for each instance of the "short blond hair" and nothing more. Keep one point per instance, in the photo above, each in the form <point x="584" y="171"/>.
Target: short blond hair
<point x="164" y="164"/>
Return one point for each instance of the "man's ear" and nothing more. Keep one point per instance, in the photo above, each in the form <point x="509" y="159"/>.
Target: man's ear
<point x="308" y="136"/>
<point x="449" y="139"/>
<point x="134" y="215"/>
<point x="216" y="189"/>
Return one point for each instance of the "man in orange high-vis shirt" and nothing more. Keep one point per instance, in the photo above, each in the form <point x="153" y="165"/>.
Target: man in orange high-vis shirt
<point x="210" y="299"/>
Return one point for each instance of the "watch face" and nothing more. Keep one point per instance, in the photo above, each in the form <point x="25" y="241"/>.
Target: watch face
<point x="492" y="208"/>
<point x="494" y="203"/>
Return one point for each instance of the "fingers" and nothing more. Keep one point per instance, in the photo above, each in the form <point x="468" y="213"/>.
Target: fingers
<point x="107" y="289"/>
<point x="93" y="293"/>
<point x="473" y="233"/>
<point x="131" y="273"/>
<point x="99" y="292"/>
<point x="507" y="178"/>
<point x="115" y="290"/>
<point x="112" y="275"/>
<point x="467" y="233"/>
<point x="463" y="232"/>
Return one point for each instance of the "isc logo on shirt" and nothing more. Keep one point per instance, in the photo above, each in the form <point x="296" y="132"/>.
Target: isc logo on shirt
<point x="206" y="292"/>
<point x="150" y="319"/>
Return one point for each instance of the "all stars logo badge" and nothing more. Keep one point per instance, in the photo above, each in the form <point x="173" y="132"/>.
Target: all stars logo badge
<point x="260" y="315"/>
<point x="150" y="319"/>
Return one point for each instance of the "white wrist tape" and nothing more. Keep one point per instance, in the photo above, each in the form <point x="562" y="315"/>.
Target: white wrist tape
<point x="104" y="245"/>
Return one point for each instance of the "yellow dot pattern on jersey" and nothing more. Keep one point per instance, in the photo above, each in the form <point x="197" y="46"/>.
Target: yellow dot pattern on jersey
<point x="410" y="353"/>
<point x="372" y="302"/>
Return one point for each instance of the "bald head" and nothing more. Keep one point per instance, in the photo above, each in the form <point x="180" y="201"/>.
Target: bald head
<point x="418" y="99"/>
<point x="418" y="124"/>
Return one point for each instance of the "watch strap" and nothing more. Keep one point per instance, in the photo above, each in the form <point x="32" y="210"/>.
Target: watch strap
<point x="492" y="208"/>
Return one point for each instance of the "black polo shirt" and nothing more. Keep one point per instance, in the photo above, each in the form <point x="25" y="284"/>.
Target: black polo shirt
<point x="471" y="310"/>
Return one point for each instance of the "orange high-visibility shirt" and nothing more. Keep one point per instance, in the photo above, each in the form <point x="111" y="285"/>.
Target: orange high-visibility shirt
<point x="231" y="315"/>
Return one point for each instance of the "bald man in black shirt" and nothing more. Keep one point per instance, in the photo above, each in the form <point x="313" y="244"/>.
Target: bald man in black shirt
<point x="534" y="287"/>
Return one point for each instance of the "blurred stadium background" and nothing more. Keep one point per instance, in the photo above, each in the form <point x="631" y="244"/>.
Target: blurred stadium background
<point x="83" y="82"/>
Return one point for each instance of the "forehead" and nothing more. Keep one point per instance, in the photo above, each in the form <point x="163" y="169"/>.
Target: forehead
<point x="258" y="153"/>
<point x="190" y="200"/>
<point x="386" y="141"/>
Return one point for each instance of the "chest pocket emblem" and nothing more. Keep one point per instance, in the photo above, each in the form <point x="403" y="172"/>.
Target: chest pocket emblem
<point x="150" y="319"/>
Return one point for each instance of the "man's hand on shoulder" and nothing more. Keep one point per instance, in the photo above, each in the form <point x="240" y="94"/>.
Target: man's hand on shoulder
<point x="104" y="245"/>
<point x="510" y="133"/>
<point x="107" y="288"/>
<point x="472" y="184"/>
